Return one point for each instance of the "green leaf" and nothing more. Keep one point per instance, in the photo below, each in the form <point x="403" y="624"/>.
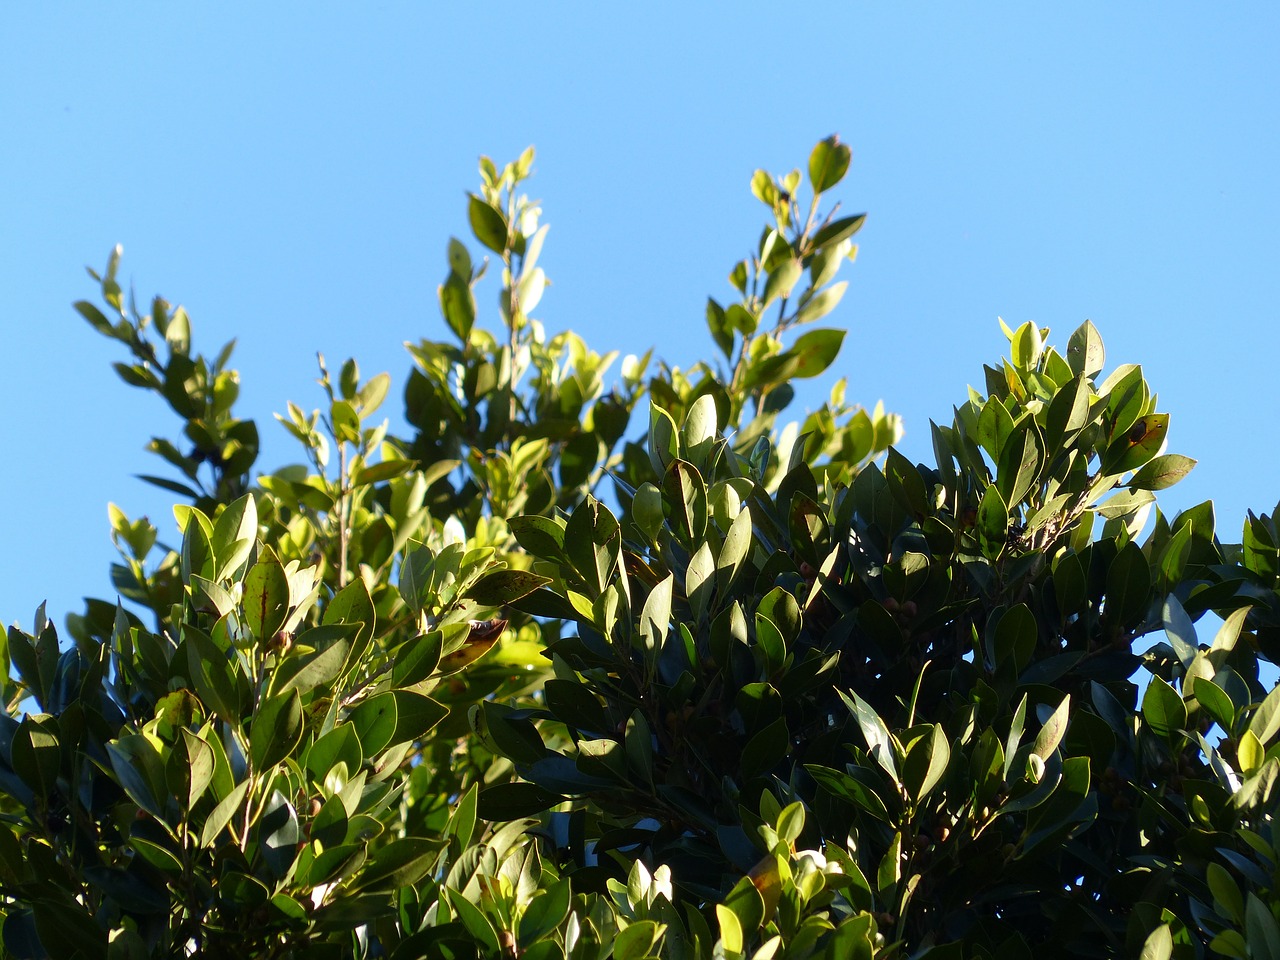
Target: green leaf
<point x="781" y="281"/>
<point x="200" y="767"/>
<point x="1250" y="752"/>
<point x="733" y="553"/>
<point x="635" y="940"/>
<point x="850" y="789"/>
<point x="838" y="230"/>
<point x="540" y="536"/>
<point x="416" y="715"/>
<point x="1138" y="445"/>
<point x="879" y="740"/>
<point x="1162" y="472"/>
<point x="233" y="536"/>
<point x="1128" y="586"/>
<point x="375" y="723"/>
<point x="1210" y="696"/>
<point x="763" y="188"/>
<point x="664" y="439"/>
<point x="699" y="431"/>
<point x="926" y="763"/>
<point x="505" y="586"/>
<point x="197" y="550"/>
<point x="822" y="303"/>
<point x="1265" y="722"/>
<point x="352" y="605"/>
<point x="320" y="668"/>
<point x="686" y="500"/>
<point x="1180" y="630"/>
<point x="416" y="659"/>
<point x="156" y="854"/>
<point x="276" y="730"/>
<point x="591" y="540"/>
<point x="217" y="682"/>
<point x="1159" y="945"/>
<point x="1229" y="943"/>
<point x="1020" y="463"/>
<point x="699" y="581"/>
<point x="828" y="163"/>
<point x="815" y="351"/>
<point x="994" y="427"/>
<point x="637" y="743"/>
<point x="223" y="814"/>
<point x="140" y="781"/>
<point x="1085" y="352"/>
<point x="1261" y="929"/>
<point x="266" y="598"/>
<point x="765" y="750"/>
<point x="747" y="905"/>
<point x="791" y="822"/>
<point x="378" y="472"/>
<point x="545" y="912"/>
<point x="476" y="923"/>
<point x="488" y="224"/>
<point x="992" y="523"/>
<point x="95" y="317"/>
<point x="1015" y="637"/>
<point x="68" y="932"/>
<point x="341" y="745"/>
<point x="36" y="754"/>
<point x="1027" y="346"/>
<point x="1068" y="413"/>
<point x="1163" y="709"/>
<point x="462" y="821"/>
<point x="458" y="304"/>
<point x="890" y="870"/>
<point x="1226" y="892"/>
<point x="401" y="863"/>
<point x="1054" y="729"/>
<point x="514" y="801"/>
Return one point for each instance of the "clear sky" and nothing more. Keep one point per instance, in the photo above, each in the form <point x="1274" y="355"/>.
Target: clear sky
<point x="292" y="172"/>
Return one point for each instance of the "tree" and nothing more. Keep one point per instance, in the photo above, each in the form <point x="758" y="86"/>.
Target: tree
<point x="518" y="685"/>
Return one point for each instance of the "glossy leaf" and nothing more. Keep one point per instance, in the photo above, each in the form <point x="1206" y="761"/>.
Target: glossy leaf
<point x="488" y="224"/>
<point x="828" y="163"/>
<point x="1163" y="709"/>
<point x="266" y="598"/>
<point x="1162" y="472"/>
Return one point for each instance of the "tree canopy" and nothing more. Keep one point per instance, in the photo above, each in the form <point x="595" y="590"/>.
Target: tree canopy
<point x="542" y="678"/>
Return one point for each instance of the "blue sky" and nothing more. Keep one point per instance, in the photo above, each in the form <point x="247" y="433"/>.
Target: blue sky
<point x="291" y="173"/>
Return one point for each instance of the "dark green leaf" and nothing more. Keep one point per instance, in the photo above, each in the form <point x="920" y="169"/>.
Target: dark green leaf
<point x="400" y="863"/>
<point x="505" y="586"/>
<point x="276" y="730"/>
<point x="839" y="230"/>
<point x="992" y="523"/>
<point x="1128" y="586"/>
<point x="635" y="941"/>
<point x="488" y="224"/>
<point x="544" y="913"/>
<point x="266" y="598"/>
<point x="1163" y="709"/>
<point x="512" y="801"/>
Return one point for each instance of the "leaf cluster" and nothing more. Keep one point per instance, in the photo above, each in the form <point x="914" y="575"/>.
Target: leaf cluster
<point x="525" y="682"/>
